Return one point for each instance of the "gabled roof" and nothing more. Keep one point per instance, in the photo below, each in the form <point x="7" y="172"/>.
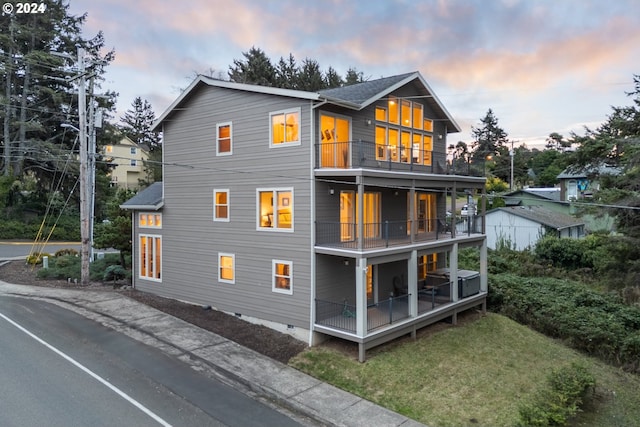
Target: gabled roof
<point x="572" y="172"/>
<point x="356" y="97"/>
<point x="551" y="193"/>
<point x="364" y="94"/>
<point x="540" y="215"/>
<point x="149" y="198"/>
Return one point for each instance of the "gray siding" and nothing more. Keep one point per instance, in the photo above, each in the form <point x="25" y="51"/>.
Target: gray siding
<point x="192" y="240"/>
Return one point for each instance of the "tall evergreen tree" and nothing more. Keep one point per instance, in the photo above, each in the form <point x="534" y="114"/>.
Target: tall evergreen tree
<point x="310" y="77"/>
<point x="137" y="124"/>
<point x="36" y="91"/>
<point x="353" y="76"/>
<point x="287" y="73"/>
<point x="488" y="137"/>
<point x="332" y="79"/>
<point x="256" y="68"/>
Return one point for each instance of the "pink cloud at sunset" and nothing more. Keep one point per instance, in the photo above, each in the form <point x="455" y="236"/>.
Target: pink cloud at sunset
<point x="542" y="66"/>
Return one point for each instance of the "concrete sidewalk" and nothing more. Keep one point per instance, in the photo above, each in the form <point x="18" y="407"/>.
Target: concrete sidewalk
<point x="214" y="355"/>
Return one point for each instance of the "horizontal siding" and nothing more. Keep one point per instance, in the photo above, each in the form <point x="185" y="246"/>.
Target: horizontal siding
<point x="192" y="240"/>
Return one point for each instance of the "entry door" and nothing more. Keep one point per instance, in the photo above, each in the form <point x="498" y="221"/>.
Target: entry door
<point x="347" y="216"/>
<point x="335" y="134"/>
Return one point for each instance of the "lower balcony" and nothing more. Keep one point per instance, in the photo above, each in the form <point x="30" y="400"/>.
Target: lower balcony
<point x="401" y="313"/>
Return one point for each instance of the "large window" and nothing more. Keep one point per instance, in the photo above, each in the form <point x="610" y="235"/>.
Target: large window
<point x="349" y="215"/>
<point x="285" y="128"/>
<point x="221" y="205"/>
<point x="226" y="268"/>
<point x="223" y="139"/>
<point x="150" y="257"/>
<point x="426" y="263"/>
<point x="282" y="276"/>
<point x="403" y="135"/>
<point x="275" y="209"/>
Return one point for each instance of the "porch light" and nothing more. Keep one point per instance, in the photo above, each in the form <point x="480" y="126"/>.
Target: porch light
<point x="331" y="191"/>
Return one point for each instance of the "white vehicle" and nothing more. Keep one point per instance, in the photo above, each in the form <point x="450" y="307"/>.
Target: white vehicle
<point x="465" y="210"/>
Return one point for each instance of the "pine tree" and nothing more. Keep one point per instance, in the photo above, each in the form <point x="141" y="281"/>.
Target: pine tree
<point x="310" y="77"/>
<point x="256" y="69"/>
<point x="137" y="124"/>
<point x="287" y="73"/>
<point x="489" y="138"/>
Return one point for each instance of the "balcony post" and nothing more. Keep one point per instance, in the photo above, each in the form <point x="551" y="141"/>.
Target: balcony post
<point x="412" y="277"/>
<point x="361" y="296"/>
<point x="360" y="212"/>
<point x="412" y="210"/>
<point x="453" y="272"/>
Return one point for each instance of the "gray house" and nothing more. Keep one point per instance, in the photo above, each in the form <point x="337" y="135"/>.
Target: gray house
<point x="320" y="214"/>
<point x="522" y="226"/>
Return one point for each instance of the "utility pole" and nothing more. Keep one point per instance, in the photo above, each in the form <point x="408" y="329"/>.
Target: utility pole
<point x="511" y="154"/>
<point x="84" y="187"/>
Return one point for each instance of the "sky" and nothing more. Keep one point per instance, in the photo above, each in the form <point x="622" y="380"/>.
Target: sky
<point x="541" y="66"/>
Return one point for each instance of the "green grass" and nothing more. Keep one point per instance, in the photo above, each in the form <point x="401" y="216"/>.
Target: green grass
<point x="478" y="373"/>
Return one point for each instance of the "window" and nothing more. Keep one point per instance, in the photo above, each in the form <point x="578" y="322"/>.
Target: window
<point x="406" y="113"/>
<point x="223" y="139"/>
<point x="282" y="277"/>
<point x="417" y="115"/>
<point x="393" y="110"/>
<point x="221" y="205"/>
<point x="150" y="220"/>
<point x="275" y="209"/>
<point x="381" y="114"/>
<point x="150" y="256"/>
<point x="428" y="125"/>
<point x="227" y="268"/>
<point x="134" y="162"/>
<point x="108" y="149"/>
<point x="133" y="150"/>
<point x="285" y="128"/>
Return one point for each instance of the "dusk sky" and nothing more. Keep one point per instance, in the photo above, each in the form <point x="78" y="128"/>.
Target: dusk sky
<point x="541" y="66"/>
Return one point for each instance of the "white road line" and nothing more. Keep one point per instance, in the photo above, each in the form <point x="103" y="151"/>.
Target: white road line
<point x="93" y="374"/>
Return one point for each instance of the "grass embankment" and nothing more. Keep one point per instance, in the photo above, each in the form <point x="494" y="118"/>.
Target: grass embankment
<point x="476" y="374"/>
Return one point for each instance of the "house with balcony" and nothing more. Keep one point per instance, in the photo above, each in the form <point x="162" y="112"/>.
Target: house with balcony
<point x="322" y="214"/>
<point x="126" y="159"/>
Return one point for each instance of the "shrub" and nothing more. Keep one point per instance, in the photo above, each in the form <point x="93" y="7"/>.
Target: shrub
<point x="114" y="272"/>
<point x="65" y="252"/>
<point x="36" y="259"/>
<point x="560" y="400"/>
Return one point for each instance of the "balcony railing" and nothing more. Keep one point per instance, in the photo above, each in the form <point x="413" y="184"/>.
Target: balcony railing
<point x="379" y="234"/>
<point x="363" y="154"/>
<point x="343" y="315"/>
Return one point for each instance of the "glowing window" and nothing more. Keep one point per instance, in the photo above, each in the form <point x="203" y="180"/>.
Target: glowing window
<point x="381" y="114"/>
<point x="149" y="220"/>
<point x="285" y="128"/>
<point x="275" y="209"/>
<point x="226" y="268"/>
<point x="428" y="125"/>
<point x="418" y="122"/>
<point x="282" y="277"/>
<point x="393" y="110"/>
<point x="221" y="205"/>
<point x="150" y="257"/>
<point x="223" y="139"/>
<point x="406" y="113"/>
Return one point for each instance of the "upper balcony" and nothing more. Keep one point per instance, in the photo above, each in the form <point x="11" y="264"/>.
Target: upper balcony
<point x="364" y="154"/>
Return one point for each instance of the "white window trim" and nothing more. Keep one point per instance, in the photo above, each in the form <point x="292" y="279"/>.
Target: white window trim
<point x="273" y="277"/>
<point x="218" y="126"/>
<point x="215" y="205"/>
<point x="274" y="191"/>
<point x="149" y="213"/>
<point x="233" y="259"/>
<point x="285" y="144"/>
<point x="153" y="238"/>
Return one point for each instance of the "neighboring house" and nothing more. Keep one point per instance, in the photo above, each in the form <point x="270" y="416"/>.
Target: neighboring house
<point x="520" y="227"/>
<point x="321" y="214"/>
<point x="126" y="159"/>
<point x="578" y="184"/>
<point x="549" y="198"/>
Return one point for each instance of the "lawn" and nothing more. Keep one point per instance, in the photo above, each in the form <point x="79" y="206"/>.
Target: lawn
<point x="477" y="373"/>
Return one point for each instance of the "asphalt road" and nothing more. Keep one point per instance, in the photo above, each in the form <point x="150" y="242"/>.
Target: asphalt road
<point x="61" y="369"/>
<point x="19" y="248"/>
